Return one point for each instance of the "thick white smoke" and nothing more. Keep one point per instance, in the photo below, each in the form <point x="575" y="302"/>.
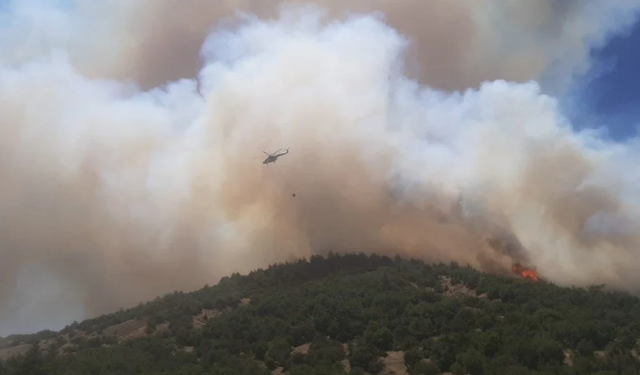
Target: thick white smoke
<point x="122" y="194"/>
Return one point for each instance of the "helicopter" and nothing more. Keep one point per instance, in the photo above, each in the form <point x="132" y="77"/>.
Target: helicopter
<point x="271" y="158"/>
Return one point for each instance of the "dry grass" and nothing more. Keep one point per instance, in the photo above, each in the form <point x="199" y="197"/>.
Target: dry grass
<point x="394" y="364"/>
<point x="14" y="351"/>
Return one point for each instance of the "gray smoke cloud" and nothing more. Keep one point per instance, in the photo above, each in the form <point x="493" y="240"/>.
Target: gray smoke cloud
<point x="129" y="132"/>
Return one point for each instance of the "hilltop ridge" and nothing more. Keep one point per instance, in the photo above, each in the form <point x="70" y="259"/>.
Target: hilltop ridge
<point x="350" y="314"/>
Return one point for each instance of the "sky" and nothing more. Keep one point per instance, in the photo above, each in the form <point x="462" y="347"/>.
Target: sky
<point x="613" y="93"/>
<point x="114" y="193"/>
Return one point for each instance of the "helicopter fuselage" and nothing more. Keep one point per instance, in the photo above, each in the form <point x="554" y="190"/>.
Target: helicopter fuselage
<point x="270" y="159"/>
<point x="273" y="158"/>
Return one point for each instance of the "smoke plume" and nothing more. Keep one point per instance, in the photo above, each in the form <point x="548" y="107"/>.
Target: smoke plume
<point x="132" y="132"/>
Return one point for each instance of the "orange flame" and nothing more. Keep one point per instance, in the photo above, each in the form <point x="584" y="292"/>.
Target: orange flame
<point x="525" y="272"/>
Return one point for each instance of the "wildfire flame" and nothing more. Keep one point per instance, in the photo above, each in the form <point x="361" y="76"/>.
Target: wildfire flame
<point x="525" y="272"/>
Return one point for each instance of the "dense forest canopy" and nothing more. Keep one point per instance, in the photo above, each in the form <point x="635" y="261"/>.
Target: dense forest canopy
<point x="350" y="314"/>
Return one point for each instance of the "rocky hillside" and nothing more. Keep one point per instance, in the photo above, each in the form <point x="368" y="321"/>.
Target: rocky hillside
<point x="351" y="314"/>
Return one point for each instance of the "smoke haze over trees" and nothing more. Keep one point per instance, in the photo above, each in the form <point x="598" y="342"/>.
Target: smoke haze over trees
<point x="345" y="314"/>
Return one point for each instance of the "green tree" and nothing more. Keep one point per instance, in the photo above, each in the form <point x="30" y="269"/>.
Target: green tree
<point x="366" y="356"/>
<point x="278" y="353"/>
<point x="491" y="345"/>
<point x="457" y="369"/>
<point x="473" y="362"/>
<point x="33" y="362"/>
<point x="382" y="338"/>
<point x="412" y="357"/>
<point x="424" y="368"/>
<point x="336" y="369"/>
<point x="324" y="351"/>
<point x="586" y="348"/>
<point x="260" y="349"/>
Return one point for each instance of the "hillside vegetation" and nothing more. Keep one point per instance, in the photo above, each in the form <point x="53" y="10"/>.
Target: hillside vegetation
<point x="350" y="314"/>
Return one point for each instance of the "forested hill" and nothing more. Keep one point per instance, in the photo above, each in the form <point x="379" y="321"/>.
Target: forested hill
<point x="351" y="314"/>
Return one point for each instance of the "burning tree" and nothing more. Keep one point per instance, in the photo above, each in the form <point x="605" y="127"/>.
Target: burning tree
<point x="525" y="272"/>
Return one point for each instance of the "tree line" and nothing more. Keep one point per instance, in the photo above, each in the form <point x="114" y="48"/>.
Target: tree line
<point x="353" y="309"/>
